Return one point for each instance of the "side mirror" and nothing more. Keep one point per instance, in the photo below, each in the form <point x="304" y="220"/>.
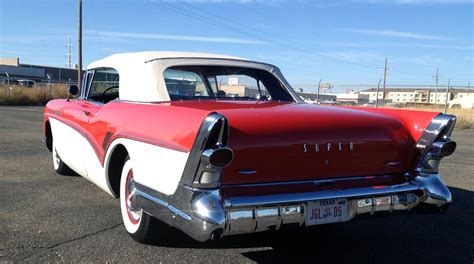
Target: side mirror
<point x="73" y="90"/>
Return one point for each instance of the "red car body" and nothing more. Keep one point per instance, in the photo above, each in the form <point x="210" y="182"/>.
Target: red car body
<point x="220" y="166"/>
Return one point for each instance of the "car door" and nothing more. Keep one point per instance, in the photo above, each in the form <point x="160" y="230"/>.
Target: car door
<point x="70" y="135"/>
<point x="103" y="89"/>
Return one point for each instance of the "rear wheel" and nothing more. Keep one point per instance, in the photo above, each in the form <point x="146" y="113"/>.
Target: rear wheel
<point x="139" y="225"/>
<point x="59" y="166"/>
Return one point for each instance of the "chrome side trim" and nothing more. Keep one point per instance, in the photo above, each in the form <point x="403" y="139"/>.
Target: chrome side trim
<point x="142" y="192"/>
<point x="178" y="212"/>
<point x="151" y="198"/>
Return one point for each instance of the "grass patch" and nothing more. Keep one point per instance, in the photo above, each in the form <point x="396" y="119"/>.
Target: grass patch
<point x="465" y="117"/>
<point x="36" y="95"/>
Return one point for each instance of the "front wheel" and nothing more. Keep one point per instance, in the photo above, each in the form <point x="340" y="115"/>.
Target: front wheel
<point x="139" y="225"/>
<point x="59" y="166"/>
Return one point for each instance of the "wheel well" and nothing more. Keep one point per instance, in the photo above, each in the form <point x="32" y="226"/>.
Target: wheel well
<point x="117" y="160"/>
<point x="48" y="136"/>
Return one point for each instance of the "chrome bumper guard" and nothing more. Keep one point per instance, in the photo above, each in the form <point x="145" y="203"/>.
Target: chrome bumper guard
<point x="204" y="214"/>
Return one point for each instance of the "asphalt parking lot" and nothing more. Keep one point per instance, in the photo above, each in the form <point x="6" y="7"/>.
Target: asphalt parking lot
<point x="47" y="217"/>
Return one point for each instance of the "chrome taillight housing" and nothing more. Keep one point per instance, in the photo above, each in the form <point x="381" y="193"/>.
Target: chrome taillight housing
<point x="210" y="153"/>
<point x="435" y="143"/>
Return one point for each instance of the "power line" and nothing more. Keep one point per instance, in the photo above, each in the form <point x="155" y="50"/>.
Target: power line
<point x="272" y="39"/>
<point x="274" y="36"/>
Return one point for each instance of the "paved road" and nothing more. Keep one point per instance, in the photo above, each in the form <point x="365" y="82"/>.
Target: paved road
<point x="46" y="217"/>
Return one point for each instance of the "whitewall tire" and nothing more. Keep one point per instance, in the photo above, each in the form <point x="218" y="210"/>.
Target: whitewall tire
<point x="59" y="166"/>
<point x="139" y="225"/>
<point x="131" y="218"/>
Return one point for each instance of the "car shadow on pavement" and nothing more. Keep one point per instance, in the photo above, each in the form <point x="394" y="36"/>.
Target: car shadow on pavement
<point x="406" y="238"/>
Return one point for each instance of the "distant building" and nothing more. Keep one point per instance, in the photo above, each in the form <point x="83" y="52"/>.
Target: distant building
<point x="11" y="69"/>
<point x="463" y="101"/>
<point x="352" y="98"/>
<point x="416" y="95"/>
<point x="311" y="98"/>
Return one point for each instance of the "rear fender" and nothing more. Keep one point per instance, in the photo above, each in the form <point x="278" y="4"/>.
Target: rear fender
<point x="415" y="122"/>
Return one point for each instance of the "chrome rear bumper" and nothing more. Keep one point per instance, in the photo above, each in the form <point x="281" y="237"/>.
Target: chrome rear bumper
<point x="205" y="214"/>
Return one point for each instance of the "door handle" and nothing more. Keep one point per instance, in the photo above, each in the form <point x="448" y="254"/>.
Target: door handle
<point x="87" y="113"/>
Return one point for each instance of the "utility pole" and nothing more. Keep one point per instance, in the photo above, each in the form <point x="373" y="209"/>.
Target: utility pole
<point x="436" y="77"/>
<point x="69" y="53"/>
<point x="377" y="96"/>
<point x="447" y="97"/>
<point x="319" y="86"/>
<point x="79" y="45"/>
<point x="384" y="81"/>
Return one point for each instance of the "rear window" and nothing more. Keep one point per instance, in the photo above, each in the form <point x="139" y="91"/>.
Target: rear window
<point x="224" y="83"/>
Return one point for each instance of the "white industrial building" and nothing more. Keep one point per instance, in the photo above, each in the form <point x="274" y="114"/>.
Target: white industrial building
<point x="422" y="96"/>
<point x="352" y="98"/>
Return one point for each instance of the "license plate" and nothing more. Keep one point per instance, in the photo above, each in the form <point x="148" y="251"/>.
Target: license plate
<point x="326" y="211"/>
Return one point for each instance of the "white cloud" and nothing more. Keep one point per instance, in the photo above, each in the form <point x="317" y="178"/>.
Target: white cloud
<point x="353" y="56"/>
<point x="397" y="34"/>
<point x="149" y="36"/>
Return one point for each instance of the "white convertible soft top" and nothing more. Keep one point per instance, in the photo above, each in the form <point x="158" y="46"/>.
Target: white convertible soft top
<point x="141" y="73"/>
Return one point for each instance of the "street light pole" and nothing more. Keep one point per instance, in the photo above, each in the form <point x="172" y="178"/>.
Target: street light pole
<point x="384" y="81"/>
<point x="377" y="96"/>
<point x="436" y="86"/>
<point x="447" y="97"/>
<point x="79" y="45"/>
<point x="319" y="86"/>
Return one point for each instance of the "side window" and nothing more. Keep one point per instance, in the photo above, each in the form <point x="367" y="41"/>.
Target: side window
<point x="242" y="86"/>
<point x="104" y="86"/>
<point x="184" y="83"/>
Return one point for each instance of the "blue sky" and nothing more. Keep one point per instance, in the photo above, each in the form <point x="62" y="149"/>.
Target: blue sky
<point x="342" y="42"/>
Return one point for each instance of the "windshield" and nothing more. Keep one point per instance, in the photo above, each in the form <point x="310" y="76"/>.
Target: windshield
<point x="225" y="83"/>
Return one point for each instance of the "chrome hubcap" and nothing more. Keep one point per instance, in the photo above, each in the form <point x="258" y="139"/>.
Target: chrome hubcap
<point x="133" y="213"/>
<point x="56" y="158"/>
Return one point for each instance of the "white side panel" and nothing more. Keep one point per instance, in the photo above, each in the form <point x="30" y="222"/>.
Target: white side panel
<point x="78" y="154"/>
<point x="69" y="145"/>
<point x="153" y="166"/>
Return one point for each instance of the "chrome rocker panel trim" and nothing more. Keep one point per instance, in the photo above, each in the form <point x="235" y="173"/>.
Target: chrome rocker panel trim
<point x="204" y="214"/>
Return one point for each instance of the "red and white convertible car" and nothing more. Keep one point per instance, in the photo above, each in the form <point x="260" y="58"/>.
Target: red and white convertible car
<point x="216" y="145"/>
